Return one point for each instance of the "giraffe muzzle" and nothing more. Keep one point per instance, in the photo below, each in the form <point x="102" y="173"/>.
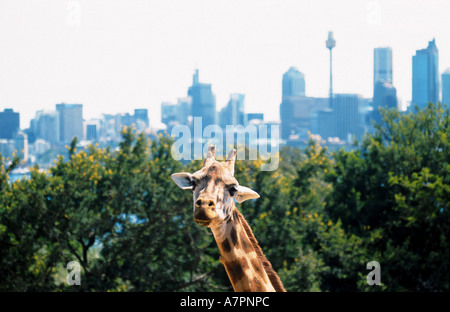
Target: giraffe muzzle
<point x="205" y="211"/>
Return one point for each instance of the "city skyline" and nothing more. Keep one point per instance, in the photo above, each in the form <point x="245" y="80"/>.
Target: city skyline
<point x="114" y="56"/>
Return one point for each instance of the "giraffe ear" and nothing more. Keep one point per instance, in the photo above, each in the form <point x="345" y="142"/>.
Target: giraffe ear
<point x="244" y="193"/>
<point x="183" y="180"/>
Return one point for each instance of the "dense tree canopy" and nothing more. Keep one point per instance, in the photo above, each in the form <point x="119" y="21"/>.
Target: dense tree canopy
<point x="321" y="217"/>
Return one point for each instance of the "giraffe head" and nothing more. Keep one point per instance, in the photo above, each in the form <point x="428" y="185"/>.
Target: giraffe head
<point x="214" y="189"/>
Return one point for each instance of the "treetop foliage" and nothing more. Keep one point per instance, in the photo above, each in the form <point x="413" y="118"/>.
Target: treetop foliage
<point x="322" y="216"/>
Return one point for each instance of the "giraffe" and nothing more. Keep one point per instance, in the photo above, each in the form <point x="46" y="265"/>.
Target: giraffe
<point x="214" y="190"/>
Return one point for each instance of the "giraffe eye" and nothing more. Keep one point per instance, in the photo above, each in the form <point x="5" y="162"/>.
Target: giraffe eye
<point x="232" y="190"/>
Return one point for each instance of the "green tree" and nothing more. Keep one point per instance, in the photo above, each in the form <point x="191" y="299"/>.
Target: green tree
<point x="394" y="192"/>
<point x="320" y="218"/>
<point x="117" y="213"/>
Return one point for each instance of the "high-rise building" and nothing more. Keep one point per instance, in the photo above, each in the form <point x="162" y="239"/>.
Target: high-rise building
<point x="255" y="116"/>
<point x="296" y="108"/>
<point x="384" y="92"/>
<point x="184" y="110"/>
<point x="323" y="123"/>
<point x="385" y="95"/>
<point x="91" y="132"/>
<point x="382" y="65"/>
<point x="293" y="83"/>
<point x="126" y="120"/>
<point x="110" y="127"/>
<point x="21" y="145"/>
<point x="296" y="113"/>
<point x="446" y="87"/>
<point x="44" y="126"/>
<point x="347" y="116"/>
<point x="70" y="122"/>
<point x="9" y="123"/>
<point x="6" y="148"/>
<point x="233" y="113"/>
<point x="141" y="118"/>
<point x="168" y="113"/>
<point x="425" y="76"/>
<point x="203" y="101"/>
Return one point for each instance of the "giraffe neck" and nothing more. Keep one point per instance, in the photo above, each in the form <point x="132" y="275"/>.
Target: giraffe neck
<point x="246" y="266"/>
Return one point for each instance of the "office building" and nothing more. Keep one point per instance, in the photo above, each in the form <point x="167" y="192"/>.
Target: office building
<point x="347" y="117"/>
<point x="126" y="120"/>
<point x="44" y="126"/>
<point x="91" y="132"/>
<point x="446" y="87"/>
<point x="385" y="96"/>
<point x="255" y="116"/>
<point x="6" y="148"/>
<point x="296" y="113"/>
<point x="9" y="123"/>
<point x="296" y="109"/>
<point x="323" y="123"/>
<point x="233" y="113"/>
<point x="109" y="128"/>
<point x="382" y="65"/>
<point x="141" y="118"/>
<point x="169" y="114"/>
<point x="184" y="110"/>
<point x="20" y="142"/>
<point x="70" y="122"/>
<point x="203" y="101"/>
<point x="425" y="76"/>
<point x="293" y="83"/>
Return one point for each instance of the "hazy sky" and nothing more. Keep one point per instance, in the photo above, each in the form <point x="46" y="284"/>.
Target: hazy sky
<point x="113" y="56"/>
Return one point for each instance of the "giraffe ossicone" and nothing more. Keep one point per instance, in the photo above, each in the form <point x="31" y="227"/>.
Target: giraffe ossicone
<point x="214" y="190"/>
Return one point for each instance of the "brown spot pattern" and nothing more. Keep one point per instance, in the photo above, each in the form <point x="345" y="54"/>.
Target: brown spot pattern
<point x="226" y="245"/>
<point x="235" y="270"/>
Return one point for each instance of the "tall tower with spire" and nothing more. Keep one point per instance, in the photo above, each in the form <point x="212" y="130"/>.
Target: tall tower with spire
<point x="331" y="43"/>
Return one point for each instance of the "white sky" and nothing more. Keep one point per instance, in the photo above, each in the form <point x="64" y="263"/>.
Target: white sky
<point x="116" y="55"/>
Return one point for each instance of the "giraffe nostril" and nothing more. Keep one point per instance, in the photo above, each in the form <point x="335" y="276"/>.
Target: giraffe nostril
<point x="211" y="203"/>
<point x="198" y="202"/>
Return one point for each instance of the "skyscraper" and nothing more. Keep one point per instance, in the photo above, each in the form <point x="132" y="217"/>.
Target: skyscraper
<point x="296" y="113"/>
<point x="141" y="118"/>
<point x="425" y="76"/>
<point x="21" y="145"/>
<point x="446" y="87"/>
<point x="176" y="114"/>
<point x="70" y="122"/>
<point x="184" y="110"/>
<point x="382" y="65"/>
<point x="44" y="126"/>
<point x="91" y="132"/>
<point x="9" y="123"/>
<point x="293" y="83"/>
<point x="384" y="92"/>
<point x="203" y="101"/>
<point x="233" y="114"/>
<point x="347" y="117"/>
<point x="255" y="116"/>
<point x="296" y="108"/>
<point x="169" y="114"/>
<point x="385" y="95"/>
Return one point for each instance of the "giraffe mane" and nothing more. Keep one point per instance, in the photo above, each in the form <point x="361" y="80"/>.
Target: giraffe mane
<point x="273" y="277"/>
